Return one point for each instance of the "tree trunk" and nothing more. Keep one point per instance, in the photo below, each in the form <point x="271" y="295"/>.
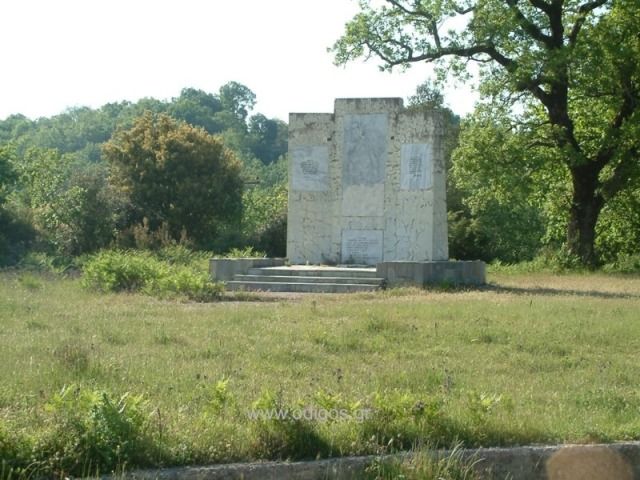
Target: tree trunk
<point x="585" y="208"/>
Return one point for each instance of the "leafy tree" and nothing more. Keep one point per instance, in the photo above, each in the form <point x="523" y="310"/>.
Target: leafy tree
<point x="178" y="175"/>
<point x="269" y="138"/>
<point x="505" y="191"/>
<point x="237" y="99"/>
<point x="71" y="205"/>
<point x="570" y="66"/>
<point x="197" y="108"/>
<point x="14" y="127"/>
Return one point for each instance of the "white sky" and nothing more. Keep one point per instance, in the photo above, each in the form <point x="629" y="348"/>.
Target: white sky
<point x="63" y="53"/>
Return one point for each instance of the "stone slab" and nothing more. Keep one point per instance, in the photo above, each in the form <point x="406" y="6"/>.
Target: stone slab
<point x="224" y="269"/>
<point x="365" y="149"/>
<point x="415" y="166"/>
<point x="362" y="246"/>
<point x="310" y="170"/>
<point x="428" y="273"/>
<point x="313" y="287"/>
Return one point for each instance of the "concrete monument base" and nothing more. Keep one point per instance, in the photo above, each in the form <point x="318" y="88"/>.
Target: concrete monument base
<point x="225" y="269"/>
<point x="436" y="272"/>
<point x="270" y="274"/>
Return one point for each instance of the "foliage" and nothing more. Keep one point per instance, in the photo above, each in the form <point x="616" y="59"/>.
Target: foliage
<point x="91" y="433"/>
<point x="268" y="138"/>
<point x="174" y="173"/>
<point x="619" y="227"/>
<point x="624" y="264"/>
<point x="14" y="454"/>
<point x="72" y="206"/>
<point x="237" y="99"/>
<point x="565" y="74"/>
<point x="506" y="207"/>
<point x="15" y="234"/>
<point x="114" y="271"/>
<point x="264" y="220"/>
<point x="74" y="209"/>
<point x="197" y="108"/>
<point x="7" y="174"/>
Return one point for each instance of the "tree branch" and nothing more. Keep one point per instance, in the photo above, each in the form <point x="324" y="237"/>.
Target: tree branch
<point x="583" y="11"/>
<point x="541" y="5"/>
<point x="413" y="13"/>
<point x="528" y="26"/>
<point x="631" y="99"/>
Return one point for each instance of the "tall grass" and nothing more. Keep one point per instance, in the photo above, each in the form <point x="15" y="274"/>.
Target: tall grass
<point x="87" y="375"/>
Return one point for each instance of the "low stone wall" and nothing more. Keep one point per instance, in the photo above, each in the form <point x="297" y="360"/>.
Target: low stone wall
<point x="618" y="461"/>
<point x="437" y="272"/>
<point x="224" y="269"/>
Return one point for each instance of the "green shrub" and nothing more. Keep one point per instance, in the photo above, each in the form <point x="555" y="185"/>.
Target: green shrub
<point x="175" y="281"/>
<point x="114" y="271"/>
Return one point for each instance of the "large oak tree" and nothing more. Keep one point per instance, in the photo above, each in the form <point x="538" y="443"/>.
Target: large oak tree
<point x="570" y="66"/>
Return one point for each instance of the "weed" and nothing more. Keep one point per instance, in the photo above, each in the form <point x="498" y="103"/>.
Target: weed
<point x="90" y="432"/>
<point x="424" y="464"/>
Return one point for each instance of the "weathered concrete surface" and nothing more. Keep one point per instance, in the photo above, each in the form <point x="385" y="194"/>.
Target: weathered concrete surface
<point x="426" y="273"/>
<point x="307" y="280"/>
<point x="224" y="269"/>
<point x="350" y="468"/>
<point x="619" y="461"/>
<point x="366" y="184"/>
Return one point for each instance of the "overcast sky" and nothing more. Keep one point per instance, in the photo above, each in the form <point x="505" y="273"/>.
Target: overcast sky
<point x="63" y="53"/>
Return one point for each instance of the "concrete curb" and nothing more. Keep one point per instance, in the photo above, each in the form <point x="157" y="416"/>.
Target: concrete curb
<point x="619" y="461"/>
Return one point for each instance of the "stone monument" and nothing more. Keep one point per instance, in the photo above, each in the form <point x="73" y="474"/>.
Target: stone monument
<point x="367" y="189"/>
<point x="367" y="186"/>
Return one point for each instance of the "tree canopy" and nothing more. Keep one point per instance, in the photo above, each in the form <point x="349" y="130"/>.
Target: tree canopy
<point x="176" y="174"/>
<point x="564" y="73"/>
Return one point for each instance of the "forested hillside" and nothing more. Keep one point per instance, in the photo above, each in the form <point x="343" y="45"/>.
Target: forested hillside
<point x="202" y="170"/>
<point x="60" y="194"/>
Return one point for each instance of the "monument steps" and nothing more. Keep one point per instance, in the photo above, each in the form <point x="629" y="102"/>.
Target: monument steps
<point x="316" y="271"/>
<point x="305" y="279"/>
<point x="309" y="279"/>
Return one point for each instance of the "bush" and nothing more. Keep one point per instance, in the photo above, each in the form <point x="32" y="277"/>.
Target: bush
<point x="114" y="271"/>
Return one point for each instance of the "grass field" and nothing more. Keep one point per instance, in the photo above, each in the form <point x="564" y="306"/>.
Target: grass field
<point x="532" y="358"/>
